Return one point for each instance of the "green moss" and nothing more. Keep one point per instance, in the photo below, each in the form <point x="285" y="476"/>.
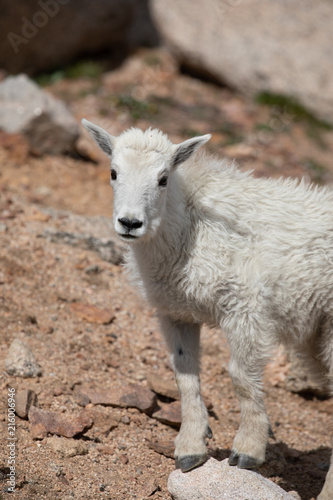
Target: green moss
<point x="84" y="69"/>
<point x="45" y="79"/>
<point x="81" y="69"/>
<point x="264" y="127"/>
<point x="231" y="131"/>
<point x="152" y="60"/>
<point x="162" y="101"/>
<point x="137" y="109"/>
<point x="290" y="106"/>
<point x="190" y="132"/>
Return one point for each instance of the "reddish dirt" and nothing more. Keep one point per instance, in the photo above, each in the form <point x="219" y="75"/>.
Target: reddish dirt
<point x="40" y="279"/>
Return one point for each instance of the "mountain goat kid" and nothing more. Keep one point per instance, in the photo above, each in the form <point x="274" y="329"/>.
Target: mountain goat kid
<point x="210" y="244"/>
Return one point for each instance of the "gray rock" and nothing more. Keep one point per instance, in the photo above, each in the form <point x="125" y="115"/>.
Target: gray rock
<point x="255" y="45"/>
<point x="45" y="121"/>
<point x="21" y="361"/>
<point x="45" y="34"/>
<point x="23" y="401"/>
<point x="90" y="233"/>
<point x="106" y="248"/>
<point x="218" y="481"/>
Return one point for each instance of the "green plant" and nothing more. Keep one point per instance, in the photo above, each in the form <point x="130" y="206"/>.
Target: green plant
<point x="190" y="132"/>
<point x="233" y="136"/>
<point x="152" y="60"/>
<point x="45" y="79"/>
<point x="290" y="106"/>
<point x="264" y="127"/>
<point x="86" y="68"/>
<point x="80" y="69"/>
<point x="137" y="109"/>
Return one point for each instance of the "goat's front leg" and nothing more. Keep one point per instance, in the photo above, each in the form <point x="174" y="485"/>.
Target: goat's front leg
<point x="183" y="341"/>
<point x="248" y="356"/>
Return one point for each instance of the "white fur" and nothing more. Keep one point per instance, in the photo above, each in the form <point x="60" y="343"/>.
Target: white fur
<point x="218" y="246"/>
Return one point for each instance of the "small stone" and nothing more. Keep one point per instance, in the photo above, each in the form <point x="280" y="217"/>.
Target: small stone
<point x="58" y="390"/>
<point x="123" y="459"/>
<point x="104" y="422"/>
<point x="23" y="401"/>
<point x="148" y="488"/>
<point x="165" y="448"/>
<point x="81" y="399"/>
<point x="21" y="362"/>
<point x="106" y="450"/>
<point x="163" y="387"/>
<point x="124" y="396"/>
<point x="170" y="414"/>
<point x="219" y="481"/>
<point x="44" y="422"/>
<point x="93" y="269"/>
<point x="67" y="447"/>
<point x="126" y="420"/>
<point x="92" y="314"/>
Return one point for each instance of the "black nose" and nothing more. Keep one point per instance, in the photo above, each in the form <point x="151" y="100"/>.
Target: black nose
<point x="130" y="223"/>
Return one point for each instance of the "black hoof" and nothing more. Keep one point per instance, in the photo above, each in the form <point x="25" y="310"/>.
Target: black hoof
<point x="209" y="432"/>
<point x="190" y="462"/>
<point x="244" y="461"/>
<point x="233" y="459"/>
<point x="247" y="462"/>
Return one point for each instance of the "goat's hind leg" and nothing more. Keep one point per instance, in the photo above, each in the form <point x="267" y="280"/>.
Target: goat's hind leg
<point x="184" y="344"/>
<point x="247" y="361"/>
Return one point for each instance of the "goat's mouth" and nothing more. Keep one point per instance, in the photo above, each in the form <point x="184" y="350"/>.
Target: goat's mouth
<point x="128" y="236"/>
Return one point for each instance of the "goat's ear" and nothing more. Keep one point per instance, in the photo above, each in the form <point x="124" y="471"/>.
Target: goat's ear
<point x="104" y="140"/>
<point x="185" y="149"/>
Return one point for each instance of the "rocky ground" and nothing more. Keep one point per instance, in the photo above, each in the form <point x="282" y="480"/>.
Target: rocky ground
<point x="107" y="409"/>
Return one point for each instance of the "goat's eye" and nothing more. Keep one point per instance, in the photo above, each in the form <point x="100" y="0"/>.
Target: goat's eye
<point x="163" y="181"/>
<point x="113" y="174"/>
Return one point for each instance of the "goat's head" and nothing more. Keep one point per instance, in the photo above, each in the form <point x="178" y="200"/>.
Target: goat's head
<point x="141" y="166"/>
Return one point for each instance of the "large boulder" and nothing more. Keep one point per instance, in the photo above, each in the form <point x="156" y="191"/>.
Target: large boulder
<point x="283" y="47"/>
<point x="44" y="34"/>
<point x="44" y="120"/>
<point x="218" y="481"/>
